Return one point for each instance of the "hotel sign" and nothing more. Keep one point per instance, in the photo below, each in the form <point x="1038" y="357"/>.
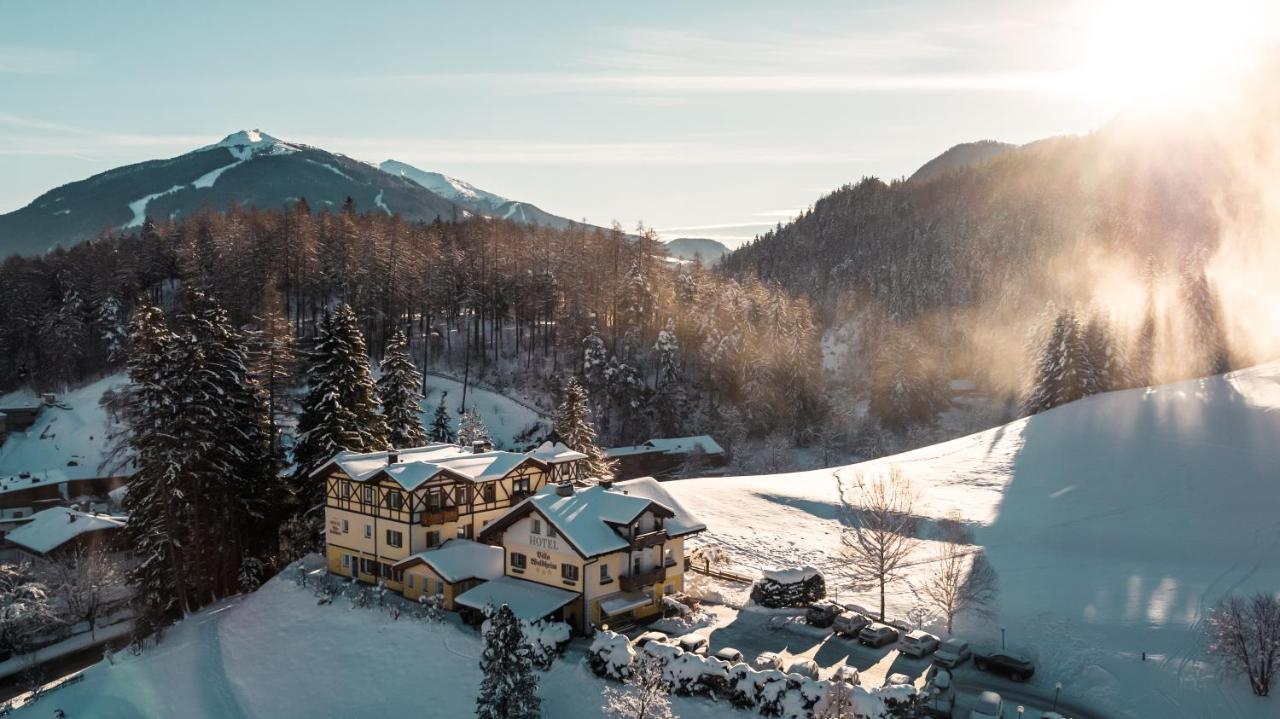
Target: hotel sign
<point x="541" y="542"/>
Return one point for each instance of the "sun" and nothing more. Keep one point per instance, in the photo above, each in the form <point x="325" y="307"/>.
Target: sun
<point x="1144" y="53"/>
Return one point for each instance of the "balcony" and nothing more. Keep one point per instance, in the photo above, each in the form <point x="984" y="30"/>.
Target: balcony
<point x="438" y="516"/>
<point x="647" y="578"/>
<point x="649" y="539"/>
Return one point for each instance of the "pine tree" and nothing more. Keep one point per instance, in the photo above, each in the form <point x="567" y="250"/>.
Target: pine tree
<point x="574" y="427"/>
<point x="669" y="403"/>
<point x="1063" y="373"/>
<point x="1209" y="351"/>
<point x="441" y="429"/>
<point x="271" y="351"/>
<point x="509" y="689"/>
<point x="905" y="390"/>
<point x="398" y="393"/>
<point x="1106" y="356"/>
<point x="340" y="411"/>
<point x="471" y="429"/>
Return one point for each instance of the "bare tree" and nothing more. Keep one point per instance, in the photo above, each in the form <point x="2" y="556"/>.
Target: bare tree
<point x="25" y="609"/>
<point x="646" y="694"/>
<point x="962" y="579"/>
<point x="1245" y="633"/>
<point x="882" y="528"/>
<point x="88" y="580"/>
<point x="838" y="702"/>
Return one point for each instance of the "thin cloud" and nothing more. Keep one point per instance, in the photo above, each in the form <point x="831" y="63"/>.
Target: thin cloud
<point x="21" y="60"/>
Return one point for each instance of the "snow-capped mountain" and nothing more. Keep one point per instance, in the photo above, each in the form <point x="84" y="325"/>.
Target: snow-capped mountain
<point x="481" y="201"/>
<point x="248" y="167"/>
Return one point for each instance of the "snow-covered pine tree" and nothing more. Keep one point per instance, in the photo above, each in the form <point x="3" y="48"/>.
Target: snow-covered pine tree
<point x="1106" y="356"/>
<point x="669" y="403"/>
<point x="509" y="689"/>
<point x="155" y="528"/>
<point x="398" y="393"/>
<point x="1209" y="351"/>
<point x="1063" y="373"/>
<point x="340" y="410"/>
<point x="471" y="429"/>
<point x="441" y="429"/>
<point x="272" y="361"/>
<point x="645" y="695"/>
<point x="905" y="389"/>
<point x="574" y="427"/>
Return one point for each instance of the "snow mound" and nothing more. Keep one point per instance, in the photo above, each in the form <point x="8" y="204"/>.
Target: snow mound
<point x="1114" y="524"/>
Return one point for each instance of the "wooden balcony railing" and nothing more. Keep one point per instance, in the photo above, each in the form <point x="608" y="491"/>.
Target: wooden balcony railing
<point x="649" y="539"/>
<point x="438" y="516"/>
<point x="647" y="578"/>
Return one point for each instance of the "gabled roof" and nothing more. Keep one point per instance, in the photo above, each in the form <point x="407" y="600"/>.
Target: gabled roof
<point x="681" y="522"/>
<point x="460" y="559"/>
<point x="54" y="527"/>
<point x="556" y="453"/>
<point x="588" y="517"/>
<point x="415" y="466"/>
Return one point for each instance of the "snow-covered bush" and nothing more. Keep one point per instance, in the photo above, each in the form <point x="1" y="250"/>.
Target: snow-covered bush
<point x="545" y="639"/>
<point x="611" y="655"/>
<point x="794" y="587"/>
<point x="771" y="692"/>
<point x="743" y="683"/>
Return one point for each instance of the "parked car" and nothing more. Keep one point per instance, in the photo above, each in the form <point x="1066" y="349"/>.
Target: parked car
<point x="647" y="637"/>
<point x="897" y="679"/>
<point x="939" y="692"/>
<point x="989" y="706"/>
<point x="1014" y="666"/>
<point x="768" y="660"/>
<point x="849" y="623"/>
<point x="693" y="643"/>
<point x="952" y="653"/>
<point x="804" y="667"/>
<point x="729" y="654"/>
<point x="877" y="635"/>
<point x="846" y="673"/>
<point x="823" y="614"/>
<point x="918" y="643"/>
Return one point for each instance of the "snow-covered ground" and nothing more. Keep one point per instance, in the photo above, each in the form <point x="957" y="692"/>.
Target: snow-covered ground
<point x="505" y="418"/>
<point x="70" y="438"/>
<point x="277" y="653"/>
<point x="1114" y="524"/>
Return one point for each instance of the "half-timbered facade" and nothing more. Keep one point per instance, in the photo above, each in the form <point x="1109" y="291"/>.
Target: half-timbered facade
<point x="618" y="548"/>
<point x="382" y="508"/>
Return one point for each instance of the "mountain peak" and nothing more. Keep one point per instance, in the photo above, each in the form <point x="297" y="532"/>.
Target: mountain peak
<point x="248" y="143"/>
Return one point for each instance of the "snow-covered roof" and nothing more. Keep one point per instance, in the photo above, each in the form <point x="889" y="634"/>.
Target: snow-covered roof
<point x="587" y="517"/>
<point x="556" y="453"/>
<point x="42" y="478"/>
<point x="528" y="600"/>
<point x="669" y="445"/>
<point x="460" y="559"/>
<point x="419" y="464"/>
<point x="682" y="520"/>
<point x="625" y="602"/>
<point x="54" y="527"/>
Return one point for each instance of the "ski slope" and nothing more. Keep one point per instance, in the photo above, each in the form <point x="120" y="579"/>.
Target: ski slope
<point x="1114" y="523"/>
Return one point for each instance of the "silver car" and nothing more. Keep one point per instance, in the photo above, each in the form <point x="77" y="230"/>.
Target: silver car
<point x="952" y="653"/>
<point x="917" y="643"/>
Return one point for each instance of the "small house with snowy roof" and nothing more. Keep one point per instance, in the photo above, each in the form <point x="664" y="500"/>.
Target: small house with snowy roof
<point x="664" y="457"/>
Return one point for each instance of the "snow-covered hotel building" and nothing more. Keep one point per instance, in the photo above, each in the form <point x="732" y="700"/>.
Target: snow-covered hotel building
<point x="547" y="545"/>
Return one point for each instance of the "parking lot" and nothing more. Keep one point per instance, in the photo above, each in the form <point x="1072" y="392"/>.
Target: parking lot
<point x="786" y="633"/>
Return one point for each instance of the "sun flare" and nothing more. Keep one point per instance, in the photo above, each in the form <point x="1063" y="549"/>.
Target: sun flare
<point x="1142" y="53"/>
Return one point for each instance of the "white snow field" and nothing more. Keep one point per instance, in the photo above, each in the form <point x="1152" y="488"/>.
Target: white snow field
<point x="68" y="439"/>
<point x="278" y="654"/>
<point x="1114" y="524"/>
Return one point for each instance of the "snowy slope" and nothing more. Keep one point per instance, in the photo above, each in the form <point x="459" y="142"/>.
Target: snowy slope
<point x="70" y="438"/>
<point x="276" y="653"/>
<point x="1114" y="523"/>
<point x="505" y="419"/>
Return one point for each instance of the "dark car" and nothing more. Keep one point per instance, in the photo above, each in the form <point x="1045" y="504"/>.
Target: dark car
<point x="999" y="661"/>
<point x="822" y="615"/>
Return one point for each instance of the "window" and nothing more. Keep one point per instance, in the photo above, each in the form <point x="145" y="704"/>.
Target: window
<point x="368" y="531"/>
<point x="411" y="581"/>
<point x="19" y="514"/>
<point x="346" y="490"/>
<point x="368" y="566"/>
<point x="568" y="573"/>
<point x="395" y="500"/>
<point x="433" y="539"/>
<point x="519" y="562"/>
<point x="368" y="495"/>
<point x="464" y="531"/>
<point x="537" y="526"/>
<point x="604" y="574"/>
<point x="551" y="531"/>
<point x="346" y="561"/>
<point x="426" y="585"/>
<point x="490" y="493"/>
<point x="435" y="501"/>
<point x="667" y="559"/>
<point x="464" y="496"/>
<point x="520" y="484"/>
<point x="346" y="526"/>
<point x="394" y="538"/>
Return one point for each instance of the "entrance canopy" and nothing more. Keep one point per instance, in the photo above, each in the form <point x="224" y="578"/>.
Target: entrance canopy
<point x="528" y="600"/>
<point x="619" y="603"/>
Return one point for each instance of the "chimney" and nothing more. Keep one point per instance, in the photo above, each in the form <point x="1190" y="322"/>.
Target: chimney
<point x="480" y="446"/>
<point x="606" y="483"/>
<point x="564" y="489"/>
<point x="392" y="457"/>
<point x="71" y="517"/>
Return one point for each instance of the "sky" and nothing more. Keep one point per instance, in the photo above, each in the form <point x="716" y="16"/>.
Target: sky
<point x="707" y="119"/>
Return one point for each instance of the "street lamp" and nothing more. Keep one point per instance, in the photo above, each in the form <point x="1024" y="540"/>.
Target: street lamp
<point x="1001" y="638"/>
<point x="1020" y="710"/>
<point x="1057" y="689"/>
